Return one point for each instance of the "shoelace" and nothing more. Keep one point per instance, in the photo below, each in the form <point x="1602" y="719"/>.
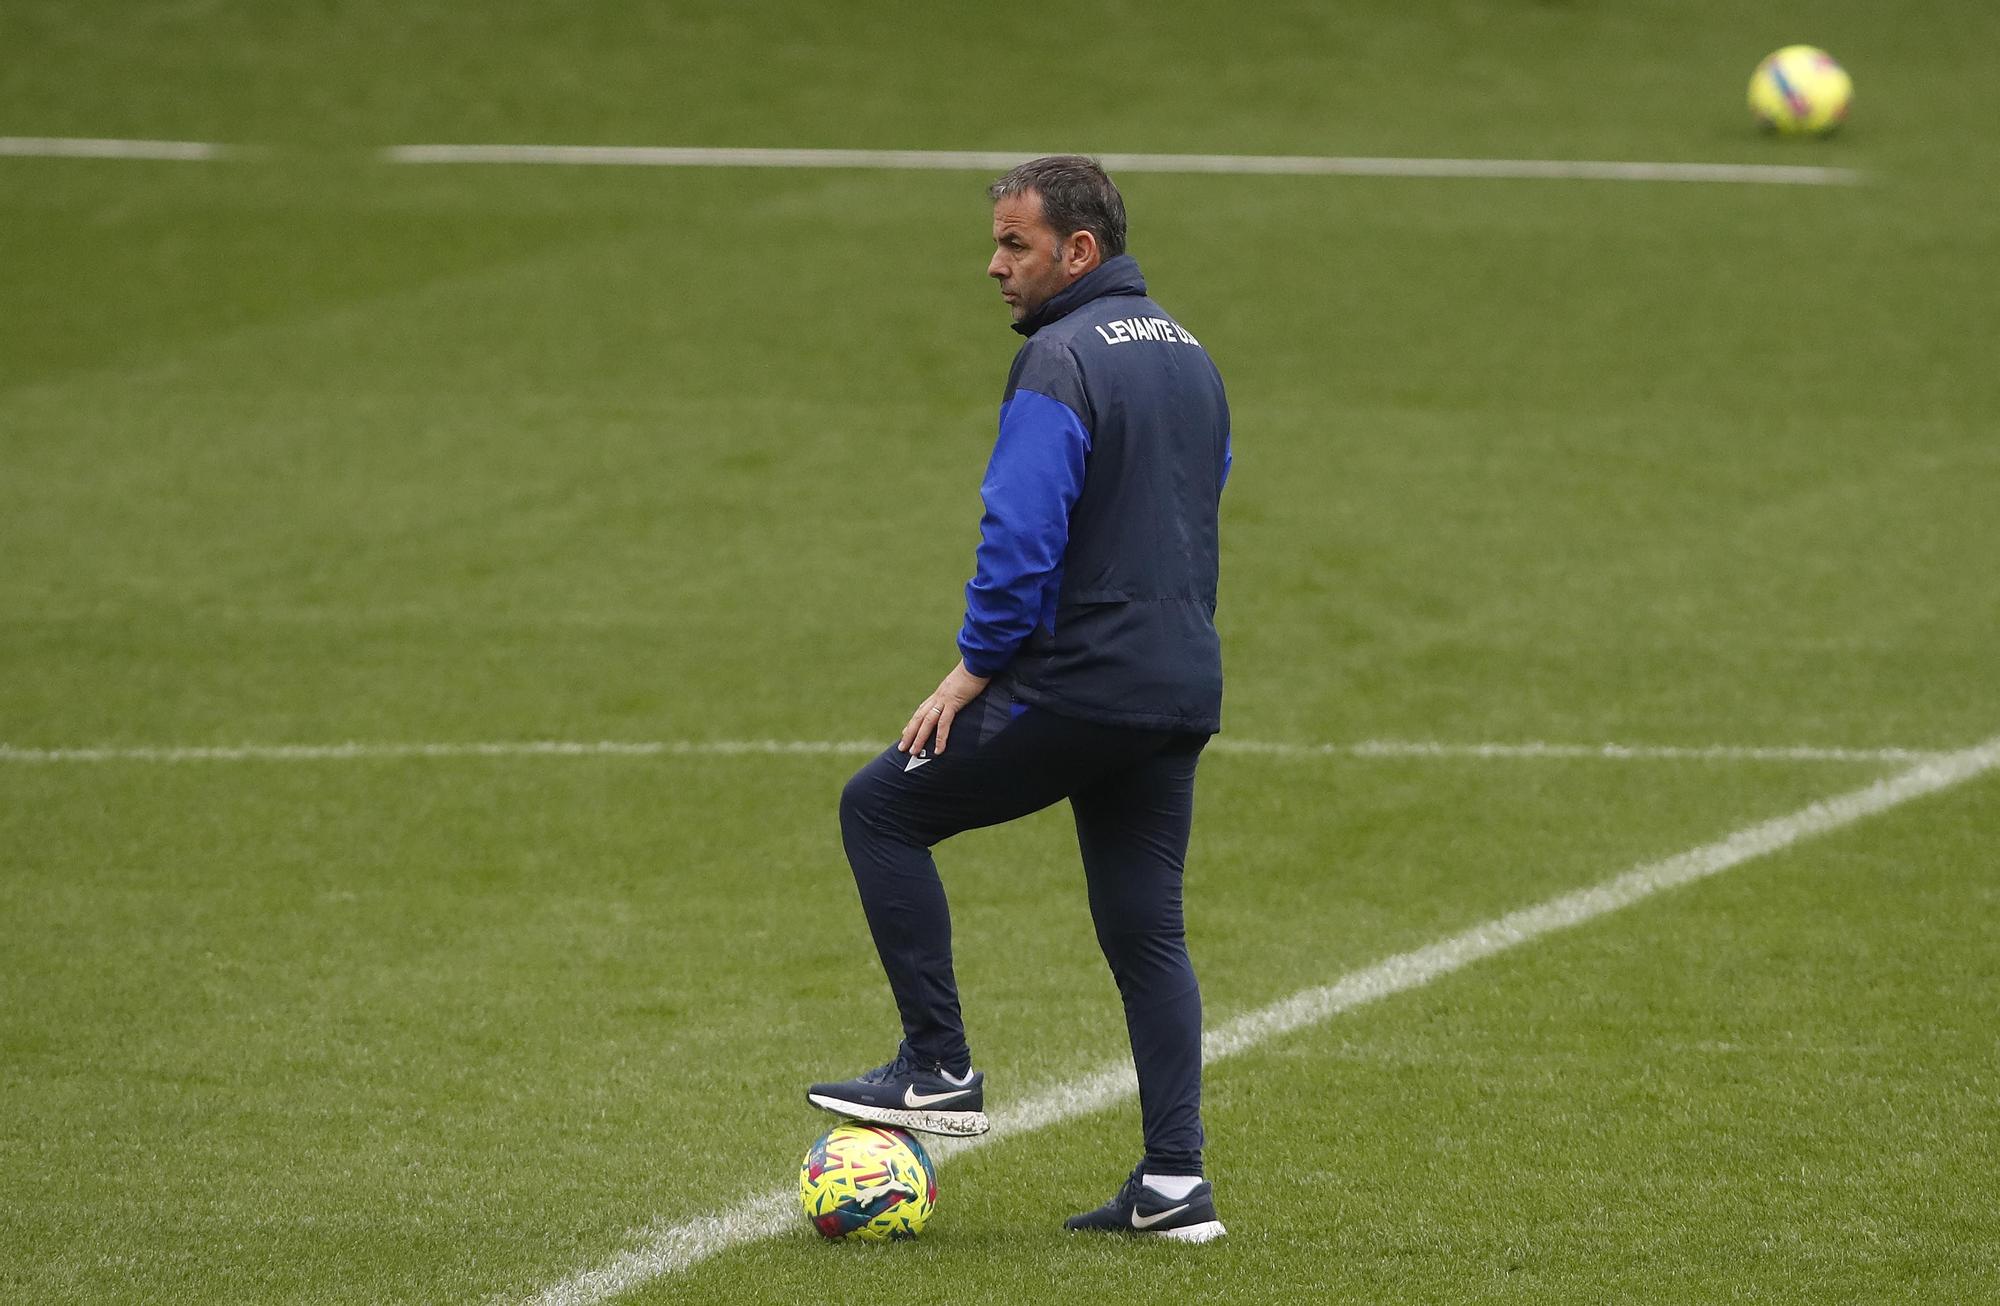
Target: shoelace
<point x="894" y="1069"/>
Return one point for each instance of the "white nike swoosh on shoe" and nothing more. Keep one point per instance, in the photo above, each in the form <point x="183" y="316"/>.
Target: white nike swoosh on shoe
<point x="917" y="1101"/>
<point x="1148" y="1221"/>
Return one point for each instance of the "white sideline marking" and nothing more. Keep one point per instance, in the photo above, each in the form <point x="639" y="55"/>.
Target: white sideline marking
<point x="1413" y="748"/>
<point x="670" y="1249"/>
<point x="1263" y="165"/>
<point x="75" y="147"/>
<point x="355" y="752"/>
<point x="1609" y="752"/>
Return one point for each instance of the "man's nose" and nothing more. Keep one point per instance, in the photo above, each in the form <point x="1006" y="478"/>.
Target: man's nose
<point x="994" y="267"/>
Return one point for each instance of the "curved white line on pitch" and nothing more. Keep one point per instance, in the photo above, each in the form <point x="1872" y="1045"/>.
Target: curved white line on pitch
<point x="356" y="751"/>
<point x="671" y="1249"/>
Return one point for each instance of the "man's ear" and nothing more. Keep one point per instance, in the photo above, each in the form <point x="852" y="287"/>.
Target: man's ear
<point x="1081" y="253"/>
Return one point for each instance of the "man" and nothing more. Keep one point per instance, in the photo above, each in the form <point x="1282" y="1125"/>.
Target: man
<point x="1089" y="670"/>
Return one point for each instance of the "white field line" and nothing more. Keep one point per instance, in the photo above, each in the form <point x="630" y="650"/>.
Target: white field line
<point x="671" y="1249"/>
<point x="1262" y="165"/>
<point x="359" y="752"/>
<point x="1371" y="748"/>
<point x="75" y="147"/>
<point x="1606" y="752"/>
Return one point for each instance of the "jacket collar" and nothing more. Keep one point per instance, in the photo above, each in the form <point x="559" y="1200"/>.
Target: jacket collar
<point x="1117" y="276"/>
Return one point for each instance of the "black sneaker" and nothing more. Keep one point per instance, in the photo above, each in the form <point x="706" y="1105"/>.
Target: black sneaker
<point x="1140" y="1209"/>
<point x="909" y="1095"/>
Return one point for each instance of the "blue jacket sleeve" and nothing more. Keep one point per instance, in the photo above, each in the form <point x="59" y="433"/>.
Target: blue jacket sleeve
<point x="1031" y="484"/>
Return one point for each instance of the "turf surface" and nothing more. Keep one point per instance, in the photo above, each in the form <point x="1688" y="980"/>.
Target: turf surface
<point x="313" y="448"/>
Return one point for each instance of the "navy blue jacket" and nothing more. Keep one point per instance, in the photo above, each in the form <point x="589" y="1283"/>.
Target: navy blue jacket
<point x="1095" y="584"/>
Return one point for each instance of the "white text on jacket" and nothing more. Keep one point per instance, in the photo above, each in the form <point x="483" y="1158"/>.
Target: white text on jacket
<point x="1125" y="330"/>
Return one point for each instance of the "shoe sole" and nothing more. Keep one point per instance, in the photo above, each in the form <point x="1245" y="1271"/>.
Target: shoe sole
<point x="1205" y="1232"/>
<point x="959" y="1124"/>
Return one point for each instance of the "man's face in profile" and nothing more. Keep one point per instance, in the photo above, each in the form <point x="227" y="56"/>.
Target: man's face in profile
<point x="1027" y="256"/>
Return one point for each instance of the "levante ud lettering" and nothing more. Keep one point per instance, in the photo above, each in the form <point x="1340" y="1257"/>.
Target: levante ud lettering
<point x="1126" y="330"/>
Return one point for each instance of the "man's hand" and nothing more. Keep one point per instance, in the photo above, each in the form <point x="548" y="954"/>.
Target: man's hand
<point x="936" y="713"/>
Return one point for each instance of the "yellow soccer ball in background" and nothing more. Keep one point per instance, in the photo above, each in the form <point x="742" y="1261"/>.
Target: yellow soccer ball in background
<point x="1800" y="91"/>
<point x="867" y="1182"/>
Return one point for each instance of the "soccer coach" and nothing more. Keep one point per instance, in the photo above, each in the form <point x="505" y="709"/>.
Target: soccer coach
<point x="1090" y="670"/>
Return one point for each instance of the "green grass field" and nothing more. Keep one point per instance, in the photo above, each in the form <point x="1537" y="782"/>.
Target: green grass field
<point x="309" y="448"/>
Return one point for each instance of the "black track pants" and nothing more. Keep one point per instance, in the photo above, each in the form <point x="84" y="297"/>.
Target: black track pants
<point x="1132" y="792"/>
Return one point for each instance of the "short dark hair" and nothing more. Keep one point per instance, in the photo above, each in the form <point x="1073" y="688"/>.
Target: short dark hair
<point x="1076" y="196"/>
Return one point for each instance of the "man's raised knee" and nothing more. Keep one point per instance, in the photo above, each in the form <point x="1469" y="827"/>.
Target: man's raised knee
<point x="864" y="802"/>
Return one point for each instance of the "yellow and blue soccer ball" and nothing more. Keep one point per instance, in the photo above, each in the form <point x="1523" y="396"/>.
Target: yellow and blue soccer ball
<point x="867" y="1182"/>
<point x="1800" y="91"/>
